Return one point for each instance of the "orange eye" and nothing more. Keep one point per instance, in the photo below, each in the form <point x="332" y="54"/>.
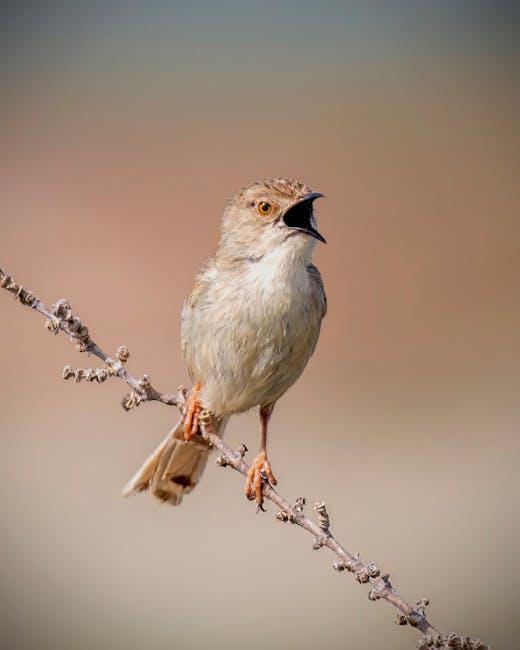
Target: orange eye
<point x="264" y="208"/>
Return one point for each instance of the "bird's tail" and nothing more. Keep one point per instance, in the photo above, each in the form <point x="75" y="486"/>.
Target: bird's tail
<point x="173" y="469"/>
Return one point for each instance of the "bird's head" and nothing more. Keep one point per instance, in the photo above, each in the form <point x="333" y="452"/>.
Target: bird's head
<point x="267" y="214"/>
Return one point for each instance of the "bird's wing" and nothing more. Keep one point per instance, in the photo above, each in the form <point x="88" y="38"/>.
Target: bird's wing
<point x="190" y="321"/>
<point x="317" y="282"/>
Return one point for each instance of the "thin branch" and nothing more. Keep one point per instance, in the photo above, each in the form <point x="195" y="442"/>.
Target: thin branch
<point x="61" y="318"/>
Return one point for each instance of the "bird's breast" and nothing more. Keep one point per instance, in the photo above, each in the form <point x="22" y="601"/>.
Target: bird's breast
<point x="256" y="330"/>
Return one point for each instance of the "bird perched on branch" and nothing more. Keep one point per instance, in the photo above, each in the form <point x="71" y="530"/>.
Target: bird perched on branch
<point x="249" y="327"/>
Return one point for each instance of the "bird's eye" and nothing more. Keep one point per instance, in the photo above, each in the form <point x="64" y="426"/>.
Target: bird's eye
<point x="264" y="208"/>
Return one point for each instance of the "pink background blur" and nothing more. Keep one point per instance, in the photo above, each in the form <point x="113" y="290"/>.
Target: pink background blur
<point x="124" y="128"/>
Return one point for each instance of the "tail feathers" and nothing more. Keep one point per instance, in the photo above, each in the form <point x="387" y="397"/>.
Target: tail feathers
<point x="141" y="480"/>
<point x="172" y="470"/>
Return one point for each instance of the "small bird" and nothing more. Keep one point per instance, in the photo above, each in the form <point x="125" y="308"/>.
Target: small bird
<point x="249" y="327"/>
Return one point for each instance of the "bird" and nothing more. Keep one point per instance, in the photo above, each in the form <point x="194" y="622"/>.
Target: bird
<point x="248" y="329"/>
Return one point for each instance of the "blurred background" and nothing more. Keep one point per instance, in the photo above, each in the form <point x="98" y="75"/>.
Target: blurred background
<point x="124" y="129"/>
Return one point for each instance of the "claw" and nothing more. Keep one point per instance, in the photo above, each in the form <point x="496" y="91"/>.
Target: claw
<point x="259" y="471"/>
<point x="193" y="408"/>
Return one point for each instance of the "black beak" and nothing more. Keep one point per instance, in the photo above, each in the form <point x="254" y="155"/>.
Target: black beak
<point x="299" y="216"/>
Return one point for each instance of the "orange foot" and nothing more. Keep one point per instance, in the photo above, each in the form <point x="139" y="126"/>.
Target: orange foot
<point x="259" y="471"/>
<point x="193" y="409"/>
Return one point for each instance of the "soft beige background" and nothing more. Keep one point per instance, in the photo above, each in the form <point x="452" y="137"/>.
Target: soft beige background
<point x="123" y="131"/>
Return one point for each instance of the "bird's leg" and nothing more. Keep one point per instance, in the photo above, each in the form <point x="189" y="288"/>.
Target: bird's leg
<point x="193" y="408"/>
<point x="260" y="468"/>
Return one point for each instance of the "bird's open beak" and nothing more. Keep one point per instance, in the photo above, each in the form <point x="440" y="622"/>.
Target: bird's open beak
<point x="299" y="216"/>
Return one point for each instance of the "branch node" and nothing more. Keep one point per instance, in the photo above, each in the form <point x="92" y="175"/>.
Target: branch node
<point x="25" y="296"/>
<point x="323" y="517"/>
<point x="292" y="515"/>
<point x="102" y="374"/>
<point x="401" y="619"/>
<point x="415" y="619"/>
<point x="131" y="400"/>
<point x="62" y="309"/>
<point x="53" y="325"/>
<point x="144" y="382"/>
<point x="67" y="372"/>
<point x="421" y="605"/>
<point x="89" y="374"/>
<point x="374" y="594"/>
<point x="241" y="451"/>
<point x="373" y="570"/>
<point x="205" y="424"/>
<point x="123" y="353"/>
<point x="362" y="576"/>
<point x="381" y="585"/>
<point x="71" y="324"/>
<point x="299" y="504"/>
<point x="450" y="640"/>
<point x="182" y="394"/>
<point x="225" y="460"/>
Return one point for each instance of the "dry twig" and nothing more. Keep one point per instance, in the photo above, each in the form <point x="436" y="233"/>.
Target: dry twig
<point x="60" y="317"/>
